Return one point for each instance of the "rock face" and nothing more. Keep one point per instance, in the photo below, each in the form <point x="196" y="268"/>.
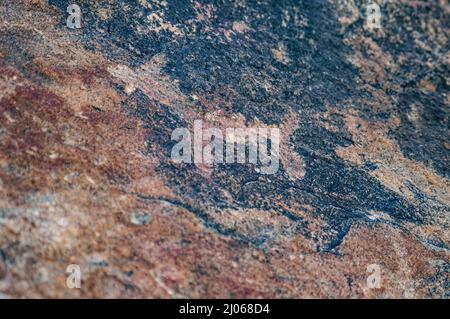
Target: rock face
<point x="360" y="204"/>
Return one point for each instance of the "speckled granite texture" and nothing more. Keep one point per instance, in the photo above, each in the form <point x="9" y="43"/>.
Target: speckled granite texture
<point x="86" y="117"/>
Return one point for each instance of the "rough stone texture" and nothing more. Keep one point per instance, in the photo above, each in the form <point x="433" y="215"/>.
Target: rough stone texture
<point x="85" y="173"/>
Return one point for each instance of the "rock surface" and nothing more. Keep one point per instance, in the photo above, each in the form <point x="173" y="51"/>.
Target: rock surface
<point x="86" y="117"/>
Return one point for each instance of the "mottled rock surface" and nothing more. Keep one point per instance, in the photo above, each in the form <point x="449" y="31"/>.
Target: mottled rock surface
<point x="86" y="117"/>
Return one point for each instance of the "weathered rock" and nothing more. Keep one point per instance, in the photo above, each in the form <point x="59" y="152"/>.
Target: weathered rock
<point x="86" y="117"/>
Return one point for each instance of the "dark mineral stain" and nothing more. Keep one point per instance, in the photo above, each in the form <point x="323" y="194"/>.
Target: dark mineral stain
<point x="425" y="139"/>
<point x="159" y="120"/>
<point x="206" y="62"/>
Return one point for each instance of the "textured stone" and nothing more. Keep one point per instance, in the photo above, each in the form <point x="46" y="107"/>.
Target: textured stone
<point x="86" y="117"/>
